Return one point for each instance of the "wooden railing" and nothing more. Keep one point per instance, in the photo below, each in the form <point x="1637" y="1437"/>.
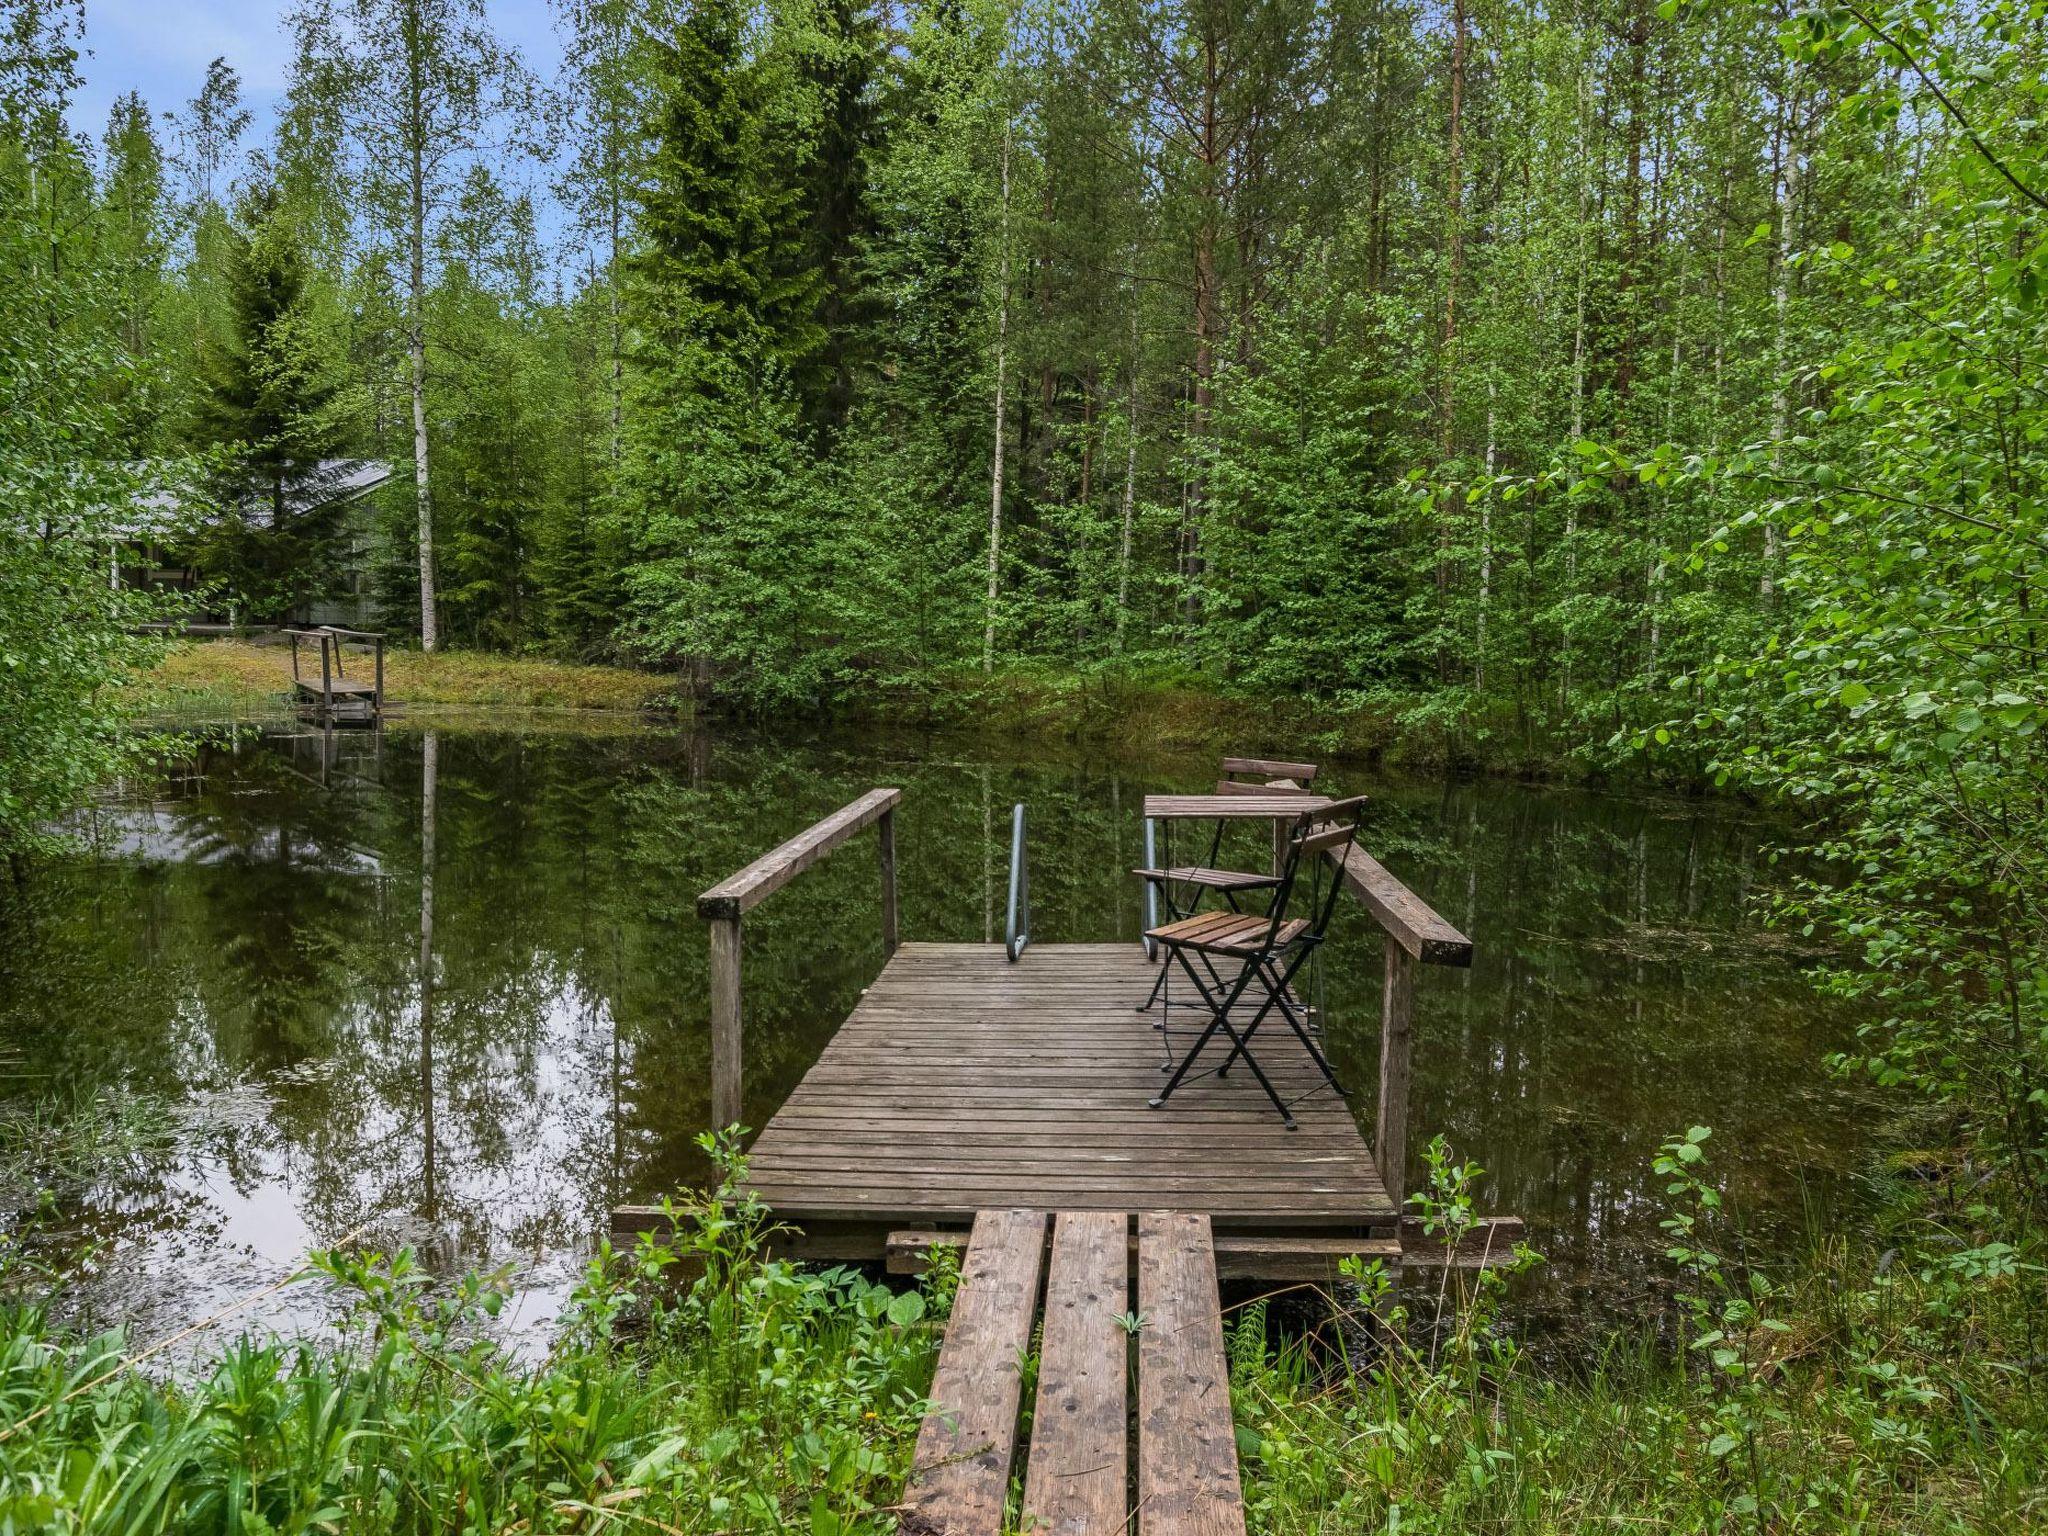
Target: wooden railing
<point x="726" y="902"/>
<point x="1415" y="935"/>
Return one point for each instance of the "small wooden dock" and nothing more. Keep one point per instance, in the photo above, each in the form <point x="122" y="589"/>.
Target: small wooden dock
<point x="966" y="1080"/>
<point x="963" y="1082"/>
<point x="993" y="1099"/>
<point x="335" y="698"/>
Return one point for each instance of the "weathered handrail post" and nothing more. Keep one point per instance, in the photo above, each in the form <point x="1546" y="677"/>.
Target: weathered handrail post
<point x="1397" y="1010"/>
<point x="723" y="905"/>
<point x="1415" y="936"/>
<point x="725" y="1021"/>
<point x="885" y="837"/>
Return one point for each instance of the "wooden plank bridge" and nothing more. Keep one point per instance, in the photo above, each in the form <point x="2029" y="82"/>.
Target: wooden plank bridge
<point x="1077" y="1480"/>
<point x="993" y="1099"/>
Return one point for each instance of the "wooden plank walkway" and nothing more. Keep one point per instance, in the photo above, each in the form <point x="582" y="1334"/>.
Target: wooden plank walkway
<point x="1187" y="1443"/>
<point x="964" y="1447"/>
<point x="963" y="1082"/>
<point x="1077" y="1478"/>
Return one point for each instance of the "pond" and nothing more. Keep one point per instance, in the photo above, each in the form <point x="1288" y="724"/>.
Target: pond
<point x="445" y="987"/>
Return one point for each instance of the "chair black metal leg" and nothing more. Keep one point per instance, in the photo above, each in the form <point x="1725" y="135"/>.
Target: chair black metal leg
<point x="1218" y="1014"/>
<point x="1240" y="1045"/>
<point x="1220" y="1019"/>
<point x="1235" y="1052"/>
<point x="1165" y="1024"/>
<point x="1277" y="983"/>
<point x="1237" y="1044"/>
<point x="1173" y="915"/>
<point x="1158" y="986"/>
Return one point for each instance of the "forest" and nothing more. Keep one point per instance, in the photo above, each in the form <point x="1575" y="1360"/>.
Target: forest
<point x="1649" y="390"/>
<point x="821" y="347"/>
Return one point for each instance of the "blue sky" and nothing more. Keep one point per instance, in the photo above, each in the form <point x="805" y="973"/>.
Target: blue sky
<point x="162" y="47"/>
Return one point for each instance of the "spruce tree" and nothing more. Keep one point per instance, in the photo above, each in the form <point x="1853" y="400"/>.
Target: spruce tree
<point x="271" y="402"/>
<point x="838" y="68"/>
<point x="722" y="310"/>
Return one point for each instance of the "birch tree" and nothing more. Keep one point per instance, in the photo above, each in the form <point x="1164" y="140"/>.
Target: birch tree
<point x="421" y="87"/>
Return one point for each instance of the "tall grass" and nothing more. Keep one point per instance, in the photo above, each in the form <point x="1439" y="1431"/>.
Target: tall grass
<point x="1871" y="1395"/>
<point x="756" y="1398"/>
<point x="234" y="679"/>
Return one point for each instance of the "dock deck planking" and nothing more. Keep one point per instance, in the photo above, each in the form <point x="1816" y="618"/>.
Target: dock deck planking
<point x="1187" y="1441"/>
<point x="963" y="1082"/>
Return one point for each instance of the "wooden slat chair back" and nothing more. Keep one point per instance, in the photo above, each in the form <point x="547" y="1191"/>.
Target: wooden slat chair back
<point x="1265" y="791"/>
<point x="1332" y="829"/>
<point x="1303" y="774"/>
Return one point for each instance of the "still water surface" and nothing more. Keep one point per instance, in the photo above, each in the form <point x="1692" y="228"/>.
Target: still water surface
<point x="445" y="988"/>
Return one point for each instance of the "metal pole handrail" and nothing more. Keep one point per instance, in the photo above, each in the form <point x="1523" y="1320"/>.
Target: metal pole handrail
<point x="1151" y="892"/>
<point x="1017" y="932"/>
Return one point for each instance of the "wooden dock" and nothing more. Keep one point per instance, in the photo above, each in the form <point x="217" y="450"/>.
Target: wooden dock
<point x="963" y="1082"/>
<point x="994" y="1099"/>
<point x="335" y="698"/>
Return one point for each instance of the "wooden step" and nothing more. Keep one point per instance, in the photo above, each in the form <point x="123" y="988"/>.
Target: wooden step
<point x="1187" y="1441"/>
<point x="1076" y="1481"/>
<point x="961" y="1469"/>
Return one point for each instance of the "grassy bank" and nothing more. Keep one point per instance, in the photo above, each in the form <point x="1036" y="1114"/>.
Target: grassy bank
<point x="759" y="1398"/>
<point x="1872" y="1391"/>
<point x="220" y="680"/>
<point x="241" y="679"/>
<point x="1869" y="1395"/>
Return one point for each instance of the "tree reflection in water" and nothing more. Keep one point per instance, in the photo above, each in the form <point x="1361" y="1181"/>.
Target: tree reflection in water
<point x="484" y="1074"/>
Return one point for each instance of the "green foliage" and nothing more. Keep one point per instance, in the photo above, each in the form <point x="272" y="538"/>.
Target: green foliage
<point x="270" y="397"/>
<point x="68" y="493"/>
<point x="1899" y="698"/>
<point x="1887" y="1403"/>
<point x="756" y="1398"/>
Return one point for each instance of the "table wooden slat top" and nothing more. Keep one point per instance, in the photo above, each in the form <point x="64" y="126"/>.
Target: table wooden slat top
<point x="963" y="1082"/>
<point x="1233" y="807"/>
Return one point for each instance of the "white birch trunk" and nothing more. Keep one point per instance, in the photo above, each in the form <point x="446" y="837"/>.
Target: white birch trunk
<point x="1485" y="544"/>
<point x="995" y="491"/>
<point x="1130" y="507"/>
<point x="416" y="347"/>
<point x="1781" y="299"/>
<point x="1571" y="500"/>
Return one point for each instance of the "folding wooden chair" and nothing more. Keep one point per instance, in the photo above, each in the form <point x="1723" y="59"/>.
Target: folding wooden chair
<point x="1268" y="949"/>
<point x="1240" y="776"/>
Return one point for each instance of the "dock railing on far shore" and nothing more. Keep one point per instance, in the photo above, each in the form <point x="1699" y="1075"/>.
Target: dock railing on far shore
<point x="726" y="902"/>
<point x="1415" y="936"/>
